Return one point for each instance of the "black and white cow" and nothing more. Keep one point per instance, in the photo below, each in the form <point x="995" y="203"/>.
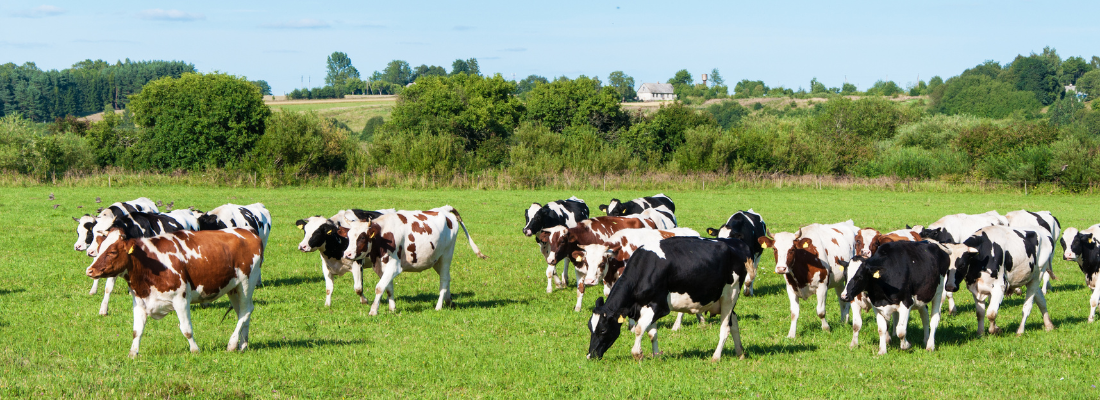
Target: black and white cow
<point x="1037" y="220"/>
<point x="559" y="213"/>
<point x="188" y="218"/>
<point x="686" y="274"/>
<point x="1006" y="259"/>
<point x="1086" y="253"/>
<point x="254" y="216"/>
<point x="328" y="236"/>
<point x="958" y="227"/>
<point x="133" y="225"/>
<point x="749" y="227"/>
<point x="898" y="277"/>
<point x="107" y="216"/>
<point x="618" y="209"/>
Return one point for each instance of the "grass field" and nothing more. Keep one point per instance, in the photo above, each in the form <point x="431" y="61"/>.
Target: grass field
<point x="507" y="337"/>
<point x="355" y="114"/>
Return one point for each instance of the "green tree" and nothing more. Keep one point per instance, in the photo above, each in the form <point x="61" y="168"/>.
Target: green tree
<point x="425" y="70"/>
<point x="1063" y="111"/>
<point x="727" y="113"/>
<point x="298" y="143"/>
<point x="199" y="120"/>
<point x="982" y="96"/>
<point x="527" y="84"/>
<point x="1089" y="84"/>
<point x="471" y="107"/>
<point x="682" y="77"/>
<point x="265" y="89"/>
<point x="1036" y="74"/>
<point x="884" y="88"/>
<point x="746" y="89"/>
<point x="622" y="83"/>
<point x="576" y="102"/>
<point x="848" y="89"/>
<point x="817" y="87"/>
<point x="1073" y="68"/>
<point x="666" y="127"/>
<point x="468" y="66"/>
<point x="339" y="69"/>
<point x="716" y="78"/>
<point x="397" y="72"/>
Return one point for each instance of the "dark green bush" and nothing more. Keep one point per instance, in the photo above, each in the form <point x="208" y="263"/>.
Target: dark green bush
<point x="372" y="125"/>
<point x="303" y="143"/>
<point x="727" y="113"/>
<point x="27" y="148"/>
<point x="987" y="139"/>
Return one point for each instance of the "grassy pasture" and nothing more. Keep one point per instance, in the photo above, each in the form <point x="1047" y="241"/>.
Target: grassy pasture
<point x="355" y="114"/>
<point x="506" y="337"/>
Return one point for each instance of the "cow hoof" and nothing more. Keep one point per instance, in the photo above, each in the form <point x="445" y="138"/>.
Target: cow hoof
<point x="826" y="328"/>
<point x="1048" y="327"/>
<point x="853" y="345"/>
<point x="133" y="354"/>
<point x="741" y="356"/>
<point x="715" y="359"/>
<point x="930" y="348"/>
<point x="905" y="345"/>
<point x="103" y="313"/>
<point x="882" y="352"/>
<point x="577" y="309"/>
<point x="372" y="313"/>
<point x="637" y="356"/>
<point x="1091" y="319"/>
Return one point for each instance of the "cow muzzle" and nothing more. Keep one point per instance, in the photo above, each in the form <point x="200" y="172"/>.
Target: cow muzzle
<point x="349" y="255"/>
<point x="781" y="269"/>
<point x="80" y="247"/>
<point x="527" y="232"/>
<point x="845" y="298"/>
<point x="304" y="247"/>
<point x="950" y="287"/>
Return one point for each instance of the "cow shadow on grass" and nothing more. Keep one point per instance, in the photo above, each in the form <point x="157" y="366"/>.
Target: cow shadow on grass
<point x="4" y="292"/>
<point x="751" y="350"/>
<point x="303" y="343"/>
<point x="292" y="281"/>
<point x="426" y="301"/>
<point x="759" y="290"/>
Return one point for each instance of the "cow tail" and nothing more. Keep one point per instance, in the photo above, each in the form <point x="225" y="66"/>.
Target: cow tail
<point x="471" y="240"/>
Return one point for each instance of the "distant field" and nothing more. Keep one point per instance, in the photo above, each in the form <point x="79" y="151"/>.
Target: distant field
<point x="353" y="113"/>
<point x="507" y="337"/>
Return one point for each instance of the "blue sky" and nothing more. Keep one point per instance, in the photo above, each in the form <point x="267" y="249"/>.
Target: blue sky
<point x="781" y="42"/>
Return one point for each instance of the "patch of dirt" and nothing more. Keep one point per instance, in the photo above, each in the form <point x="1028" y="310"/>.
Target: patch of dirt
<point x="97" y="116"/>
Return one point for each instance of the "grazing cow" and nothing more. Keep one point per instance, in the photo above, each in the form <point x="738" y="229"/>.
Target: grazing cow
<point x="1087" y="255"/>
<point x="168" y="272"/>
<point x="958" y="227"/>
<point x="686" y="274"/>
<point x="605" y="262"/>
<point x="133" y="225"/>
<point x="409" y="241"/>
<point x="619" y="209"/>
<point x="563" y="213"/>
<point x="898" y="277"/>
<point x="810" y="260"/>
<point x="664" y="217"/>
<point x="328" y="236"/>
<point x="1037" y="220"/>
<point x="107" y="216"/>
<point x="1006" y="259"/>
<point x="562" y="243"/>
<point x="749" y="227"/>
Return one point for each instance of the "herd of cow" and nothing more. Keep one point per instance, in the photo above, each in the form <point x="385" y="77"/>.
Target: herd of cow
<point x="649" y="267"/>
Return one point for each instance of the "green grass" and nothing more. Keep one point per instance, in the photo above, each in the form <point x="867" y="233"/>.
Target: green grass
<point x="507" y="337"/>
<point x="355" y="114"/>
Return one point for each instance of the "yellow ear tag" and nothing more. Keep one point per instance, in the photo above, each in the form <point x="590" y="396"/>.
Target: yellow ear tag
<point x="1090" y="240"/>
<point x="877" y="275"/>
<point x="300" y="226"/>
<point x="764" y="246"/>
<point x="579" y="258"/>
<point x="131" y="251"/>
<point x="622" y="319"/>
<point x="371" y="235"/>
<point x="805" y="245"/>
<point x="329" y="232"/>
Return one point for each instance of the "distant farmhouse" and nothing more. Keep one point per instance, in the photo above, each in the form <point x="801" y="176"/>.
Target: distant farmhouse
<point x="655" y="92"/>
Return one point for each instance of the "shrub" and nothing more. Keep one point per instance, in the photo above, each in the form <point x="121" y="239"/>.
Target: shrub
<point x="199" y="120"/>
<point x="913" y="162"/>
<point x="297" y="143"/>
<point x="575" y="102"/>
<point x="372" y="125"/>
<point x="468" y="107"/>
<point x="987" y="139"/>
<point x="666" y="127"/>
<point x="727" y="113"/>
<point x="983" y="96"/>
<point x="27" y="148"/>
<point x="936" y="131"/>
<point x="538" y="152"/>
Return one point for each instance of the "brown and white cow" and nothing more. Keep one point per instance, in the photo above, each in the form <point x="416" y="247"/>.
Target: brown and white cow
<point x="410" y="241"/>
<point x="809" y="260"/>
<point x="590" y="232"/>
<point x="328" y="236"/>
<point x="169" y="272"/>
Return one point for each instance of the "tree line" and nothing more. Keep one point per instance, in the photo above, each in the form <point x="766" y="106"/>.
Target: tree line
<point x="342" y="78"/>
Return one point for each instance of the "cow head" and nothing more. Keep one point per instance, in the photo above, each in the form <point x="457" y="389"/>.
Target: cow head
<point x="557" y="242"/>
<point x="533" y="216"/>
<point x="938" y="234"/>
<point x="210" y="222"/>
<point x="860" y="274"/>
<point x="1069" y="234"/>
<point x="604" y="327"/>
<point x="84" y="233"/>
<point x="1088" y="256"/>
<point x="316" y="231"/>
<point x="783" y="246"/>
<point x="614" y="208"/>
<point x="865" y="239"/>
<point x="104" y="239"/>
<point x="368" y="238"/>
<point x="967" y="260"/>
<point x="115" y="258"/>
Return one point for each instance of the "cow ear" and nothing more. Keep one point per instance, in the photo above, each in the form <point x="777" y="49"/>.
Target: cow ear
<point x="76" y="219"/>
<point x="599" y="301"/>
<point x="301" y="224"/>
<point x="622" y="319"/>
<point x="971" y="250"/>
<point x="603" y="207"/>
<point x="131" y="251"/>
<point x="843" y="264"/>
<point x="578" y="256"/>
<point x="712" y="231"/>
<point x="542" y="237"/>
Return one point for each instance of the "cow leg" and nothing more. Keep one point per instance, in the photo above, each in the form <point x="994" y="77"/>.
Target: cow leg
<point x="951" y="303"/>
<point x="139" y="325"/>
<point x="1041" y="299"/>
<point x="679" y="319"/>
<point x="903" y="324"/>
<point x="389" y="271"/>
<point x="1094" y="300"/>
<point x="95" y="286"/>
<point x="883" y="333"/>
<point x="794" y="310"/>
<point x="389" y="297"/>
<point x="644" y="320"/>
<point x="1033" y="287"/>
<point x="182" y="306"/>
<point x="979" y="308"/>
<point x="357" y="278"/>
<point x="443" y="267"/>
<point x="328" y="282"/>
<point x="845" y="307"/>
<point x="107" y="289"/>
<point x="995" y="300"/>
<point x="565" y="275"/>
<point x="580" y="295"/>
<point x="551" y="277"/>
<point x="728" y="301"/>
<point x="241" y="300"/>
<point x="750" y="276"/>
<point x="1046" y="281"/>
<point x="937" y="303"/>
<point x="923" y="310"/>
<point x="702" y="320"/>
<point x="822" y="293"/>
<point x="857" y="319"/>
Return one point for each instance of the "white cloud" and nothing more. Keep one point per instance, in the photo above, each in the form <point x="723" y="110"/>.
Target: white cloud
<point x="39" y="12"/>
<point x="169" y="15"/>
<point x="304" y="23"/>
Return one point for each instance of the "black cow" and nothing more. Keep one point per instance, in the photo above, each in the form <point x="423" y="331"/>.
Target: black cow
<point x="1087" y="252"/>
<point x="749" y="227"/>
<point x="1005" y="259"/>
<point x="618" y="209"/>
<point x="555" y="213"/>
<point x="132" y="225"/>
<point x="898" y="277"/>
<point x="686" y="274"/>
<point x="560" y="213"/>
